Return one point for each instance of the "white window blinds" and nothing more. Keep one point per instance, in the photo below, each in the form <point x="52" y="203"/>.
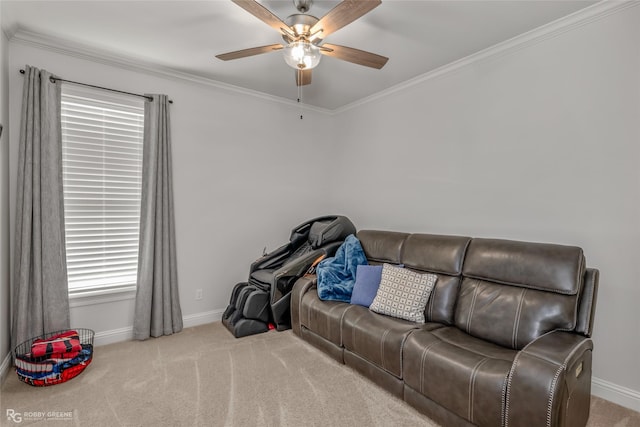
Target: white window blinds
<point x="102" y="178"/>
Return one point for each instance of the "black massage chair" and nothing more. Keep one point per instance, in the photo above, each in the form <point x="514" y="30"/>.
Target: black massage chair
<point x="265" y="298"/>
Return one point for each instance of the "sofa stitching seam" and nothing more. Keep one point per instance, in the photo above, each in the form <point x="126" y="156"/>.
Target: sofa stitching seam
<point x="341" y="323"/>
<point x="561" y="368"/>
<point x="311" y="303"/>
<point x="516" y="324"/>
<point x="472" y="308"/>
<point x="425" y="351"/>
<point x="353" y="330"/>
<point x="552" y="388"/>
<point x="504" y="396"/>
<point x="402" y="344"/>
<point x="472" y="381"/>
<point x="507" y="390"/>
<point x="382" y="338"/>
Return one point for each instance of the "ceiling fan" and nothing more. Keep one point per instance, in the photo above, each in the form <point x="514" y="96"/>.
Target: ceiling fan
<point x="304" y="35"/>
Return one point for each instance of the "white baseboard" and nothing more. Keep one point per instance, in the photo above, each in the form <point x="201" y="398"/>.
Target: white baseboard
<point x="615" y="393"/>
<point x="126" y="334"/>
<point x="113" y="336"/>
<point x="202" y="318"/>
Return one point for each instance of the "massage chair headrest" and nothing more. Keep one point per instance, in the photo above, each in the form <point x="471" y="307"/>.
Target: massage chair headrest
<point x="330" y="229"/>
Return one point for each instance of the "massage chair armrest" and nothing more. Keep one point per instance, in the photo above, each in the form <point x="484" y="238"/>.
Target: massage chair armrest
<point x="301" y="287"/>
<point x="285" y="276"/>
<point x="267" y="260"/>
<point x="545" y="376"/>
<point x="282" y="281"/>
<point x="298" y="266"/>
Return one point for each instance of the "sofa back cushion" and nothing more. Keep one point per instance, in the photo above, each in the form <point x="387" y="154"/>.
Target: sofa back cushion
<point x="514" y="292"/>
<point x="444" y="256"/>
<point x="382" y="246"/>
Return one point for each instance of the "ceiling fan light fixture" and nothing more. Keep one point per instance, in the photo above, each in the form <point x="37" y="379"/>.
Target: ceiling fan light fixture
<point x="302" y="55"/>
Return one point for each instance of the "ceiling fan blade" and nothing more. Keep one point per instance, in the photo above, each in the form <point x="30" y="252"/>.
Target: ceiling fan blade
<point x="343" y="14"/>
<point x="356" y="56"/>
<point x="303" y="77"/>
<point x="249" y="52"/>
<point x="263" y="14"/>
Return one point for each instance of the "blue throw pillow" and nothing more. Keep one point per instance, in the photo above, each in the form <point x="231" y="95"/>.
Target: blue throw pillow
<point x="367" y="282"/>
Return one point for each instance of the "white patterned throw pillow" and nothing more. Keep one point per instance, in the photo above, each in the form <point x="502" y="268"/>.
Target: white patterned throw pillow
<point x="403" y="293"/>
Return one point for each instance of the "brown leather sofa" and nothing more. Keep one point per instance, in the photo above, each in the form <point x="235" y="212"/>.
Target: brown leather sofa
<point x="506" y="340"/>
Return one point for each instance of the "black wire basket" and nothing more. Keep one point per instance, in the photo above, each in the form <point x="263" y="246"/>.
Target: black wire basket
<point x="54" y="357"/>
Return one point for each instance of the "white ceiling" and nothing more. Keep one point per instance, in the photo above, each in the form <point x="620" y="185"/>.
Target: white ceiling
<point x="417" y="35"/>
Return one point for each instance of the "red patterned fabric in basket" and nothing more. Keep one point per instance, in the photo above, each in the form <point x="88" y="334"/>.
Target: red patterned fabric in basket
<point x="65" y="343"/>
<point x="54" y="378"/>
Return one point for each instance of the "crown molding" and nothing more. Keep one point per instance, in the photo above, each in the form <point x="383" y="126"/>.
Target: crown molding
<point x="41" y="41"/>
<point x="548" y="31"/>
<point x="551" y="30"/>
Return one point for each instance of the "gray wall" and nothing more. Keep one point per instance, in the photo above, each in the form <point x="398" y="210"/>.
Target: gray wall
<point x="238" y="170"/>
<point x="541" y="143"/>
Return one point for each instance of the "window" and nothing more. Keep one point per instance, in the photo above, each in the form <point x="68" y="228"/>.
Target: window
<point x="102" y="179"/>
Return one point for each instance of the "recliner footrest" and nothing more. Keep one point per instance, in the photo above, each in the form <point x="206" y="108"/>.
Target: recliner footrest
<point x="248" y="310"/>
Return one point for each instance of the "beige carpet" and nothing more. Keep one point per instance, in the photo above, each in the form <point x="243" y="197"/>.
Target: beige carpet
<point x="205" y="377"/>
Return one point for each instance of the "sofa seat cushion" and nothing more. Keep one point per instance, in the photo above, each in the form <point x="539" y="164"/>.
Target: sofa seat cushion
<point x="376" y="338"/>
<point x="464" y="374"/>
<point x="323" y="317"/>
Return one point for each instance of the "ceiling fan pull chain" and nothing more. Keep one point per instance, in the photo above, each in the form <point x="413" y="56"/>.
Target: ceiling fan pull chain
<point x="300" y="91"/>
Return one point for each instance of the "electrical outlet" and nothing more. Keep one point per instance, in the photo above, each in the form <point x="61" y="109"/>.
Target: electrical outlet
<point x="198" y="294"/>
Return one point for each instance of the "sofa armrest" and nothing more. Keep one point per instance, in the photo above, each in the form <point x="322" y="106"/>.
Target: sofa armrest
<point x="302" y="286"/>
<point x="587" y="307"/>
<point x="550" y="382"/>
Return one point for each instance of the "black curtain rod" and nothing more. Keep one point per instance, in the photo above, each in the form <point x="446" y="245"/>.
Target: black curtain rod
<point x="54" y="79"/>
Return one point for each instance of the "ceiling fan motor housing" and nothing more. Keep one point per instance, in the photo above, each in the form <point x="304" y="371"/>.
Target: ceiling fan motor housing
<point x="301" y="23"/>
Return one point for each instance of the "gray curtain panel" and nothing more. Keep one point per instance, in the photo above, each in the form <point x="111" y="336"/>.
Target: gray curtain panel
<point x="39" y="288"/>
<point x="157" y="301"/>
